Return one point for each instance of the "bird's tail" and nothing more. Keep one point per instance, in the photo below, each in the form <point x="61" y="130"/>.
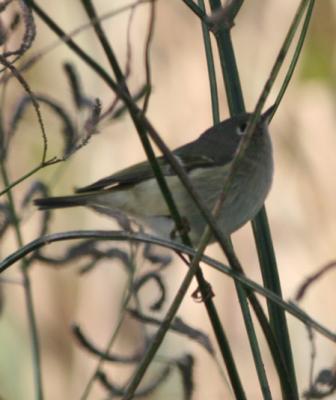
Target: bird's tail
<point x="48" y="203"/>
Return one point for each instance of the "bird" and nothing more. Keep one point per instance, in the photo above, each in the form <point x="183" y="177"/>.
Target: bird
<point x="207" y="161"/>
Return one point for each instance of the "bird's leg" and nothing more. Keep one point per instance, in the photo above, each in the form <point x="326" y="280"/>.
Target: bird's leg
<point x="199" y="295"/>
<point x="180" y="231"/>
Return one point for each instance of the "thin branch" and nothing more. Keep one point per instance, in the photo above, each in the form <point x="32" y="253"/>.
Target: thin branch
<point x="290" y="307"/>
<point x="35" y="103"/>
<point x="313" y="279"/>
<point x="149" y="39"/>
<point x="196" y="9"/>
<point x="296" y="55"/>
<point x="11" y="185"/>
<point x="32" y="323"/>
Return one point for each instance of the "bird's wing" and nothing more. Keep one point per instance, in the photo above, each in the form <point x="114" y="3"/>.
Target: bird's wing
<point x="128" y="176"/>
<point x="206" y="151"/>
<point x="143" y="171"/>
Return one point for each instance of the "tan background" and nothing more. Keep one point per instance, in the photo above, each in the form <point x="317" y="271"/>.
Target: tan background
<point x="301" y="206"/>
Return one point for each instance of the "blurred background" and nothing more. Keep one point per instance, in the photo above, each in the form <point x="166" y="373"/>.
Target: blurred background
<point x="301" y="207"/>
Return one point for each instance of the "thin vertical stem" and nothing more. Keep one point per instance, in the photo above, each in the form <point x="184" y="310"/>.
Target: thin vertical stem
<point x="211" y="69"/>
<point x="35" y="346"/>
<point x="240" y="290"/>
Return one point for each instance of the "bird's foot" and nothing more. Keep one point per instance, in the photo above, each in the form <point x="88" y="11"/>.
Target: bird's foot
<point x="202" y="295"/>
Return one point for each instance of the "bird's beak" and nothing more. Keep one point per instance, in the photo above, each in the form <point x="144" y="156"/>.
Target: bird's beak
<point x="268" y="114"/>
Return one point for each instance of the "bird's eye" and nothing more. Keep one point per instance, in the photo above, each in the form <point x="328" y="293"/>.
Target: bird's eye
<point x="241" y="129"/>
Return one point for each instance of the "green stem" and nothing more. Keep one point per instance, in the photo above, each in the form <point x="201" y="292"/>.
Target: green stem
<point x="260" y="224"/>
<point x="195" y="9"/>
<point x="211" y="69"/>
<point x="261" y="229"/>
<point x="240" y="290"/>
<point x="228" y="62"/>
<point x="37" y="370"/>
<point x="281" y="330"/>
<point x="250" y="330"/>
<point x="10" y="186"/>
<point x="296" y="54"/>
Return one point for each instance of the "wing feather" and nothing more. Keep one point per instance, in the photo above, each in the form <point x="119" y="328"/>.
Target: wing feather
<point x="204" y="152"/>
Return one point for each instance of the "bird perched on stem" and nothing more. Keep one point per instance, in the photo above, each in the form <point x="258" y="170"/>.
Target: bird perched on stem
<point x="207" y="161"/>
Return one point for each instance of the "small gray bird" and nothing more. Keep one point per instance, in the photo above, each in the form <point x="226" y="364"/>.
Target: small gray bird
<point x="207" y="160"/>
